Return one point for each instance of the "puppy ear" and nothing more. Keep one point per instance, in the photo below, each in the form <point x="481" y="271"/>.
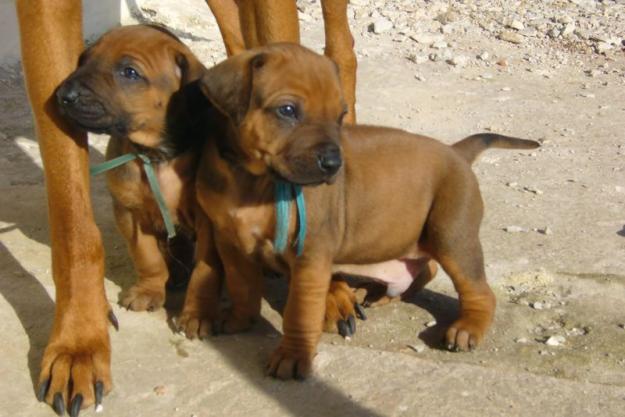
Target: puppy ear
<point x="190" y="68"/>
<point x="228" y="85"/>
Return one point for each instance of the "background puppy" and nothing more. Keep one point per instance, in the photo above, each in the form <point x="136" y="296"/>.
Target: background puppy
<point x="400" y="199"/>
<point x="137" y="85"/>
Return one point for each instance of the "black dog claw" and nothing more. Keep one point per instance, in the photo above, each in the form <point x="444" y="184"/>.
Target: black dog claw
<point x="343" y="328"/>
<point x="58" y="405"/>
<point x="99" y="392"/>
<point x="351" y="323"/>
<point x="43" y="388"/>
<point x="74" y="408"/>
<point x="113" y="320"/>
<point x="360" y="312"/>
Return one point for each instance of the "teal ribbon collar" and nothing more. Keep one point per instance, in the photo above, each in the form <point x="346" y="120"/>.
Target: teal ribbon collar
<point x="152" y="180"/>
<point x="284" y="192"/>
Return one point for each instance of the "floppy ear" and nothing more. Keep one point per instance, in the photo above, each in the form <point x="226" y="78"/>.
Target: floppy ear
<point x="228" y="85"/>
<point x="190" y="68"/>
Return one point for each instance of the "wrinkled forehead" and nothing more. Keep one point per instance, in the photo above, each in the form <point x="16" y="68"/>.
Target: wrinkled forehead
<point x="309" y="77"/>
<point x="145" y="46"/>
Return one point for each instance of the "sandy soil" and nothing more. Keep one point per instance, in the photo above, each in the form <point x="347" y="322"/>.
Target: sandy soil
<point x="558" y="270"/>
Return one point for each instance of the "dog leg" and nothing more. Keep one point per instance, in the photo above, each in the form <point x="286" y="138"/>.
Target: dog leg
<point x="458" y="250"/>
<point x="244" y="281"/>
<point x="340" y="48"/>
<point x="201" y="305"/>
<point x="268" y="21"/>
<point x="302" y="319"/>
<point x="78" y="351"/>
<point x="342" y="309"/>
<point x="149" y="291"/>
<point x="226" y="13"/>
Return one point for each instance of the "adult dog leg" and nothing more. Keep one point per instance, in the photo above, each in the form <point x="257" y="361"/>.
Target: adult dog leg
<point x="267" y="21"/>
<point x="340" y="48"/>
<point x="226" y="13"/>
<point x="78" y="352"/>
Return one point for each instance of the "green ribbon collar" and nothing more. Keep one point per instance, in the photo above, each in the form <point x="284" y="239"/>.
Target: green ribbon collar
<point x="152" y="180"/>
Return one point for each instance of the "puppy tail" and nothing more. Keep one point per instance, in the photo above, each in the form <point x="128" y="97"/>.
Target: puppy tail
<point x="471" y="147"/>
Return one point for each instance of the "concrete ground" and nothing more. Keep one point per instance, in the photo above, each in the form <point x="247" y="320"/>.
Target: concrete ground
<point x="557" y="346"/>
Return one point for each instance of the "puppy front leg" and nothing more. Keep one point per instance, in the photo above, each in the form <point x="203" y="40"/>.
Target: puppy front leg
<point x="244" y="280"/>
<point x="201" y="304"/>
<point x="149" y="291"/>
<point x="302" y="320"/>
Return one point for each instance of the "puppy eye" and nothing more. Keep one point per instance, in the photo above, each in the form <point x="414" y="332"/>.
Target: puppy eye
<point x="288" y="111"/>
<point x="131" y="73"/>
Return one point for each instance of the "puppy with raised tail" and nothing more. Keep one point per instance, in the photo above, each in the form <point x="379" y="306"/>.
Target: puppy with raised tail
<point x="380" y="202"/>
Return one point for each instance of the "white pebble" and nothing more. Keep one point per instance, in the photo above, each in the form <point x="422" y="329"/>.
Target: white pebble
<point x="555" y="341"/>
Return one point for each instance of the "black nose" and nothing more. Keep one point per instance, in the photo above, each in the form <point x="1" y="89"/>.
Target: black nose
<point x="329" y="159"/>
<point x="68" y="94"/>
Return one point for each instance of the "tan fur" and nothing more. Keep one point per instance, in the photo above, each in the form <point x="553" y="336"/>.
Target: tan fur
<point x="399" y="197"/>
<point x="51" y="41"/>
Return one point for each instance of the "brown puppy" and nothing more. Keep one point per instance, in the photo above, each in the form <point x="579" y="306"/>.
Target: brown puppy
<point x="78" y="350"/>
<point x="246" y="24"/>
<point x="401" y="199"/>
<point x="136" y="84"/>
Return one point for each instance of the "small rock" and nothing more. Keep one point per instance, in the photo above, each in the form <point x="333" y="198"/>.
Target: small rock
<point x="521" y="340"/>
<point x="554" y="33"/>
<point x="418" y="59"/>
<point x="555" y="340"/>
<point x="503" y="62"/>
<point x="447" y="17"/>
<point x="602" y="47"/>
<point x="160" y="390"/>
<point x="587" y="95"/>
<point x="511" y="37"/>
<point x="419" y="77"/>
<point x="440" y="45"/>
<point x="622" y="326"/>
<point x="459" y="61"/>
<point x="419" y="348"/>
<point x="533" y="190"/>
<point x="538" y="305"/>
<point x="380" y="26"/>
<point x="506" y="89"/>
<point x="545" y="231"/>
<point x="569" y="29"/>
<point x="483" y="56"/>
<point x="442" y="55"/>
<point x="425" y="38"/>
<point x="516" y="24"/>
<point x="514" y="229"/>
<point x="430" y="323"/>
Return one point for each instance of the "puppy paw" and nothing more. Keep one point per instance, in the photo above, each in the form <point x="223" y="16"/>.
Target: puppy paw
<point x="196" y="325"/>
<point x="230" y="324"/>
<point x="342" y="310"/>
<point x="138" y="298"/>
<point x="286" y="365"/>
<point x="465" y="334"/>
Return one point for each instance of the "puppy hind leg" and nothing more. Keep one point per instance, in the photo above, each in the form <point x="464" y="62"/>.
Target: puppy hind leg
<point x="452" y="238"/>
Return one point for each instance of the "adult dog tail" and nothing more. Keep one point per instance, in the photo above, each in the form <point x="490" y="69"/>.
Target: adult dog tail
<point x="470" y="147"/>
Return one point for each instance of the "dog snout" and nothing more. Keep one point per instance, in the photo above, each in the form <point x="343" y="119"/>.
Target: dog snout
<point x="68" y="93"/>
<point x="329" y="159"/>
